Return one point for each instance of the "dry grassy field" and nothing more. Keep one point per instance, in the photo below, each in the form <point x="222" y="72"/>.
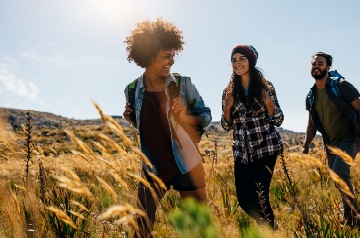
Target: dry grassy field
<point x="80" y="181"/>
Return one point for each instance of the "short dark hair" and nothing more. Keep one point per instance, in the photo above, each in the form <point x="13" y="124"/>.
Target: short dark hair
<point x="149" y="37"/>
<point x="328" y="58"/>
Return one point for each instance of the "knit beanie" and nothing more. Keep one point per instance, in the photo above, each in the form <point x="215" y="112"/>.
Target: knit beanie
<point x="248" y="51"/>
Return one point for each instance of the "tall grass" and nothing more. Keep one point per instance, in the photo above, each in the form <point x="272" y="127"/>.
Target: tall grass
<point x="91" y="191"/>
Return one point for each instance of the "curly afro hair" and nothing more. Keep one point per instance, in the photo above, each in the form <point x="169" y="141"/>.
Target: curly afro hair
<point x="149" y="37"/>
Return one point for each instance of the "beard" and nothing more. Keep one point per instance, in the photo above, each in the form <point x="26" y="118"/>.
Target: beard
<point x="320" y="75"/>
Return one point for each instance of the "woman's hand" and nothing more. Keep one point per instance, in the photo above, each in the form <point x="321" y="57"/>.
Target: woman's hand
<point x="266" y="97"/>
<point x="179" y="107"/>
<point x="268" y="102"/>
<point x="229" y="102"/>
<point x="229" y="98"/>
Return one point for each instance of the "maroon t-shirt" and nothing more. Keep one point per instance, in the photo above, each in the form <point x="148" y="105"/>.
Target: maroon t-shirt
<point x="156" y="134"/>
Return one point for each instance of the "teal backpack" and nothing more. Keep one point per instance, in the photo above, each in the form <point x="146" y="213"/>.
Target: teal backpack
<point x="336" y="78"/>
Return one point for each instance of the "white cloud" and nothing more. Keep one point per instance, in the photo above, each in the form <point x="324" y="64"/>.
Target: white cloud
<point x="31" y="55"/>
<point x="12" y="83"/>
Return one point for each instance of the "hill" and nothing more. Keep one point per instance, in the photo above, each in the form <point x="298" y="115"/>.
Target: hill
<point x="49" y="129"/>
<point x="41" y="120"/>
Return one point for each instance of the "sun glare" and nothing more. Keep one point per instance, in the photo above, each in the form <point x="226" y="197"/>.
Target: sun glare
<point x="115" y="11"/>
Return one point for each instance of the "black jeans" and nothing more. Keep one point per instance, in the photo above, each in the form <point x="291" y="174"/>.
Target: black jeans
<point x="250" y="180"/>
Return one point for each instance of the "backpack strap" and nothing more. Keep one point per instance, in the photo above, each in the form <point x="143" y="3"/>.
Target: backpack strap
<point x="133" y="84"/>
<point x="131" y="88"/>
<point x="336" y="78"/>
<point x="334" y="86"/>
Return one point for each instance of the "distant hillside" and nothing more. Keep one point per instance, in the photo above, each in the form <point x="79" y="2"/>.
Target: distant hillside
<point x="48" y="130"/>
<point x="41" y="120"/>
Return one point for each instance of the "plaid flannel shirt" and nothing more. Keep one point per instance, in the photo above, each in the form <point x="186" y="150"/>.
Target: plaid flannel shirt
<point x="254" y="133"/>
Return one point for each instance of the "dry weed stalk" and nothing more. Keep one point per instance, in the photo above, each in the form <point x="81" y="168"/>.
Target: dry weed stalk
<point x="27" y="130"/>
<point x="126" y="213"/>
<point x="109" y="189"/>
<point x="119" y="180"/>
<point x="120" y="210"/>
<point x="62" y="216"/>
<point x="261" y="202"/>
<point x="83" y="146"/>
<point x="74" y="183"/>
<point x="77" y="214"/>
<point x="102" y="137"/>
<point x="345" y="156"/>
<point x="16" y="202"/>
<point x="81" y="155"/>
<point x="102" y="147"/>
<point x="141" y="180"/>
<point x="20" y="187"/>
<point x="157" y="180"/>
<point x="341" y="184"/>
<point x="81" y="206"/>
<point x="308" y="159"/>
<point x="114" y="126"/>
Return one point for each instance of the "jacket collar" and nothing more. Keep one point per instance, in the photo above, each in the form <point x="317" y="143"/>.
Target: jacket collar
<point x="142" y="85"/>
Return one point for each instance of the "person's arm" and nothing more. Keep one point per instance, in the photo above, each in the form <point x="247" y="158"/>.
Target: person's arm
<point x="309" y="136"/>
<point x="127" y="112"/>
<point x="195" y="112"/>
<point x="227" y="104"/>
<point x="355" y="104"/>
<point x="273" y="106"/>
<point x="268" y="103"/>
<point x="184" y="116"/>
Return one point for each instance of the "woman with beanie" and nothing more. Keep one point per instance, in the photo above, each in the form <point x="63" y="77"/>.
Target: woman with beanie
<point x="251" y="109"/>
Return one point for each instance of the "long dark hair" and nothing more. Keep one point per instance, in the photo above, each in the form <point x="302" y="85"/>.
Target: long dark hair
<point x="257" y="84"/>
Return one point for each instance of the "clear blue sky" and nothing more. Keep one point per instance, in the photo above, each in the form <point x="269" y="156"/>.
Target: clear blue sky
<point x="59" y="56"/>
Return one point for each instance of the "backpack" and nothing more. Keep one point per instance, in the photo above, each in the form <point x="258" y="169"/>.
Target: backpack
<point x="336" y="78"/>
<point x="195" y="132"/>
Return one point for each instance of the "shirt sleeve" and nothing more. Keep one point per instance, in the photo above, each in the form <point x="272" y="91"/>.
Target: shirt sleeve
<point x="278" y="116"/>
<point x="196" y="104"/>
<point x="226" y="125"/>
<point x="348" y="92"/>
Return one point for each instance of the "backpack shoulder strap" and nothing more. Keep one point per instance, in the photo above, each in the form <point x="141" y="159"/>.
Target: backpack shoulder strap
<point x="131" y="88"/>
<point x="309" y="100"/>
<point x="133" y="84"/>
<point x="174" y="87"/>
<point x="336" y="79"/>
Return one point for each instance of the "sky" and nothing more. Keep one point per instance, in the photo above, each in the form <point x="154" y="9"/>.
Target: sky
<point x="59" y="56"/>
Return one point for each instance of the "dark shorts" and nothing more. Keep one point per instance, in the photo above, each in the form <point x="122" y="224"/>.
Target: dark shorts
<point x="193" y="180"/>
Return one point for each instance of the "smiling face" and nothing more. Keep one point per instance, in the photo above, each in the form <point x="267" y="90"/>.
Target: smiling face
<point x="319" y="68"/>
<point x="240" y="64"/>
<point x="162" y="63"/>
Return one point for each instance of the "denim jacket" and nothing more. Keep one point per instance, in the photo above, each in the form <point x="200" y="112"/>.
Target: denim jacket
<point x="191" y="99"/>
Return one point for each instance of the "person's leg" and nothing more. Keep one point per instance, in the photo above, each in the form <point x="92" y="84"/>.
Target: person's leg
<point x="148" y="202"/>
<point x="342" y="169"/>
<point x="198" y="194"/>
<point x="264" y="168"/>
<point x="192" y="184"/>
<point x="246" y="188"/>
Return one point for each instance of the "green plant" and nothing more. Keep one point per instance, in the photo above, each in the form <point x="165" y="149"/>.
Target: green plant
<point x="193" y="220"/>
